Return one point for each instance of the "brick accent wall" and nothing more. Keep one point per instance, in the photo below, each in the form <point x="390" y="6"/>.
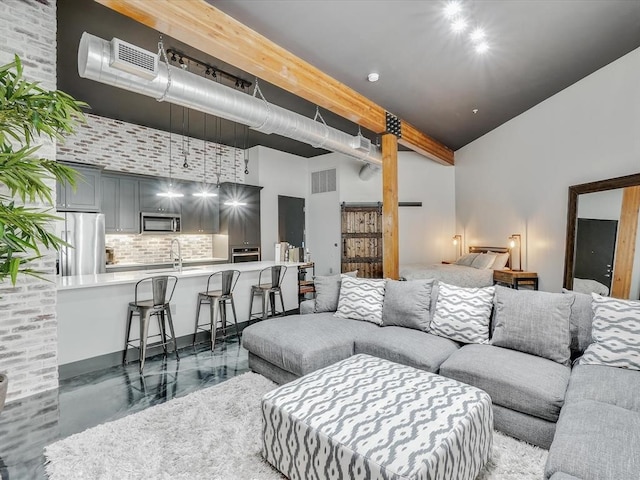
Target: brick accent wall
<point x="28" y="325"/>
<point x="155" y="248"/>
<point x="125" y="147"/>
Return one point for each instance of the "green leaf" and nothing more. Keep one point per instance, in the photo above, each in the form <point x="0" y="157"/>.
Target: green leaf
<point x="28" y="111"/>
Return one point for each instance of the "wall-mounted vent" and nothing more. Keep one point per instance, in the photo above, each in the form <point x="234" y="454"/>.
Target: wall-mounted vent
<point x="323" y="181"/>
<point x="132" y="59"/>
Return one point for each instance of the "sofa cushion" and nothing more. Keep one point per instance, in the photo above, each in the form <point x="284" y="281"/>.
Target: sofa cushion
<point x="616" y="386"/>
<point x="615" y="333"/>
<point x="407" y="304"/>
<point x="328" y="291"/>
<point x="519" y="381"/>
<point x="361" y="299"/>
<point x="409" y="347"/>
<point x="303" y="343"/>
<point x="580" y="322"/>
<point x="533" y="322"/>
<point x="463" y="314"/>
<point x="597" y="441"/>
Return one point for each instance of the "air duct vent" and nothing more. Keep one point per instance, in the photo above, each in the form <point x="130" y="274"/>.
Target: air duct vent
<point x="132" y="59"/>
<point x="323" y="181"/>
<point x="361" y="143"/>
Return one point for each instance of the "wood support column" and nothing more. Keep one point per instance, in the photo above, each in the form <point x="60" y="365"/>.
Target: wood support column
<point x="626" y="243"/>
<point x="390" y="243"/>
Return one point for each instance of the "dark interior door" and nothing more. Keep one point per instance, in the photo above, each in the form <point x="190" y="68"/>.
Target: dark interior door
<point x="595" y="248"/>
<point x="291" y="220"/>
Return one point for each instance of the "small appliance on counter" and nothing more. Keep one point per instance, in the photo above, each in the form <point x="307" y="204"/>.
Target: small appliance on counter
<point x="110" y="255"/>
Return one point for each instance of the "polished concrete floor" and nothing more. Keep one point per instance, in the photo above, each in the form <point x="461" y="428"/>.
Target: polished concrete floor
<point x="28" y="425"/>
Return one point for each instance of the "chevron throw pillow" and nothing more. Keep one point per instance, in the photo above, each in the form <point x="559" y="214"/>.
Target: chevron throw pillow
<point x="361" y="299"/>
<point x="463" y="314"/>
<point x="615" y="333"/>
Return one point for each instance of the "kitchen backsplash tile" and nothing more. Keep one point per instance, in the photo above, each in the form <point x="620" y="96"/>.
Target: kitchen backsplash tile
<point x="155" y="248"/>
<point x="126" y="147"/>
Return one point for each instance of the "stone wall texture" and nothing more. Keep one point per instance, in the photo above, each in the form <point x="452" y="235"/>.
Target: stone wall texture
<point x="129" y="148"/>
<point x="155" y="248"/>
<point x="28" y="324"/>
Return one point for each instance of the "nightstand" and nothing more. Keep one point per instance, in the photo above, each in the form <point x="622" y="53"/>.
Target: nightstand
<point x="513" y="279"/>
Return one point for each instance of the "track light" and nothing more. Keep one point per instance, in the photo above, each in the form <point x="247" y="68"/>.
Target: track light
<point x="173" y="57"/>
<point x="181" y="61"/>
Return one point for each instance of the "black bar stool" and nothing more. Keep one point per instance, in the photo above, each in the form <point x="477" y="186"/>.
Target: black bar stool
<point x="268" y="291"/>
<point x="162" y="288"/>
<point x="219" y="298"/>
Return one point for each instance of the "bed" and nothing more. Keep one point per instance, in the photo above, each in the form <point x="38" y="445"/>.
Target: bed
<point x="466" y="274"/>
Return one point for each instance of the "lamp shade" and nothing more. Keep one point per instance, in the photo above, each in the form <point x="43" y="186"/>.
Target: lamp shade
<point x="515" y="242"/>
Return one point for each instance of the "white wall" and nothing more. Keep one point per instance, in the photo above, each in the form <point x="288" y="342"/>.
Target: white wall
<point x="600" y="205"/>
<point x="279" y="173"/>
<point x="425" y="232"/>
<point x="515" y="178"/>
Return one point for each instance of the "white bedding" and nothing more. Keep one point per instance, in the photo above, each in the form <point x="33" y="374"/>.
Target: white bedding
<point x="449" y="273"/>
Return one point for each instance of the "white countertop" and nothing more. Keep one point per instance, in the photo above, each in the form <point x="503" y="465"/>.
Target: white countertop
<point x="118" y="278"/>
<point x="189" y="261"/>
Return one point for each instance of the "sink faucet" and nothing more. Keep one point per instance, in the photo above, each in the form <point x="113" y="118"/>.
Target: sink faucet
<point x="176" y="259"/>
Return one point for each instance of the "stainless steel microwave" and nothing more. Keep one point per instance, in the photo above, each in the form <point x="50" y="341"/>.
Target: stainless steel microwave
<point x="160" y="223"/>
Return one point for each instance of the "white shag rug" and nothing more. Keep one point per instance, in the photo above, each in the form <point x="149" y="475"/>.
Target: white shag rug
<point x="215" y="433"/>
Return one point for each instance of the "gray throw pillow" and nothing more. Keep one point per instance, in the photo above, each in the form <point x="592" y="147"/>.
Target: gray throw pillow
<point x="407" y="304"/>
<point x="533" y="322"/>
<point x="328" y="291"/>
<point x="463" y="314"/>
<point x="581" y="320"/>
<point x="616" y="333"/>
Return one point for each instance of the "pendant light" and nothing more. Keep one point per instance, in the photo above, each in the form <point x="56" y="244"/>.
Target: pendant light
<point x="204" y="192"/>
<point x="170" y="193"/>
<point x="235" y="201"/>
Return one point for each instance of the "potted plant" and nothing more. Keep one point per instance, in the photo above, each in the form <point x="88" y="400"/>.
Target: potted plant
<point x="28" y="111"/>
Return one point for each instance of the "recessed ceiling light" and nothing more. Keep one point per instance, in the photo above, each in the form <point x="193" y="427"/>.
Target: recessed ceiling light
<point x="458" y="25"/>
<point x="477" y="35"/>
<point x="482" y="47"/>
<point x="452" y="9"/>
<point x="373" y="77"/>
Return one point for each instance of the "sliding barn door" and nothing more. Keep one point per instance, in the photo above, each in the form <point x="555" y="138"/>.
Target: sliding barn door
<point x="362" y="240"/>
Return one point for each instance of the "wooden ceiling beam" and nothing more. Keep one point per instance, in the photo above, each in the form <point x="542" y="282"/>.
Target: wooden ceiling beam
<point x="199" y="24"/>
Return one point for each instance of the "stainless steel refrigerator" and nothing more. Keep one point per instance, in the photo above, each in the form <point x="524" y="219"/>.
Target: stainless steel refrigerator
<point x="85" y="233"/>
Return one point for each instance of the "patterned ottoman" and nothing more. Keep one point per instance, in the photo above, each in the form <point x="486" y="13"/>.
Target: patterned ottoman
<point x="368" y="418"/>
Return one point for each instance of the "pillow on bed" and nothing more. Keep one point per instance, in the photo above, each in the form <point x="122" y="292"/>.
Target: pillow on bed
<point x="328" y="291"/>
<point x="467" y="259"/>
<point x="501" y="261"/>
<point x="483" y="261"/>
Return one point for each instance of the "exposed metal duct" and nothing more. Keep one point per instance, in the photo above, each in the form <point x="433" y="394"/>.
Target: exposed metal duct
<point x="98" y="61"/>
<point x="368" y="171"/>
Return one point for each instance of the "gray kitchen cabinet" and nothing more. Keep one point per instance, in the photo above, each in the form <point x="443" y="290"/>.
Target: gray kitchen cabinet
<point x="240" y="222"/>
<point x="120" y="203"/>
<point x="151" y="202"/>
<point x="85" y="197"/>
<point x="199" y="214"/>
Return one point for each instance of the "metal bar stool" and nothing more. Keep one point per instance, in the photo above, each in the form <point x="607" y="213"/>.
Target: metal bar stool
<point x="268" y="292"/>
<point x="219" y="298"/>
<point x="162" y="288"/>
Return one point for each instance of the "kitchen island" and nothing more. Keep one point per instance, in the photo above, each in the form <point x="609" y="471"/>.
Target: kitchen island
<point x="92" y="309"/>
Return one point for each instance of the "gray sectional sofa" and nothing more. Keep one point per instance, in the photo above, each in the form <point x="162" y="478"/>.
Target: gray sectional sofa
<point x="588" y="415"/>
